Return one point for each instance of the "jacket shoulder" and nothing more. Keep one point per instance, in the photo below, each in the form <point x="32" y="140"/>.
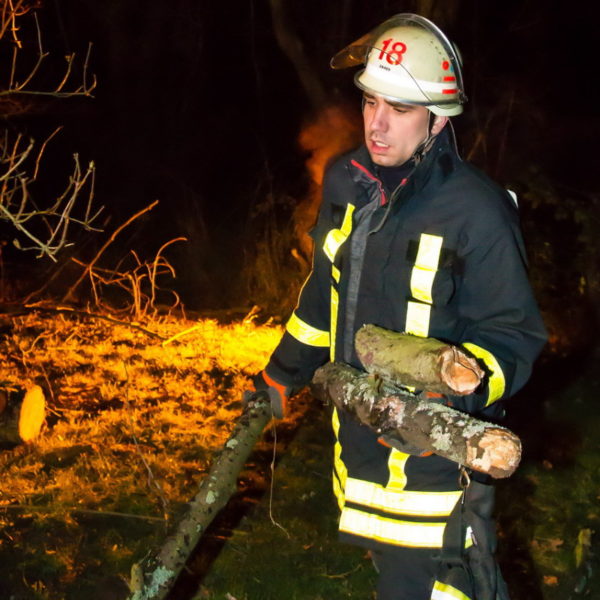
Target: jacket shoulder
<point x="338" y="186"/>
<point x="477" y="192"/>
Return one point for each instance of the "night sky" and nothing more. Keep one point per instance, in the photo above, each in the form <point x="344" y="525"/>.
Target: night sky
<point x="198" y="106"/>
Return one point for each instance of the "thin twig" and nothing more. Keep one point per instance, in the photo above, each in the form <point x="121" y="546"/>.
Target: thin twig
<point x="108" y="513"/>
<point x="67" y="310"/>
<point x="111" y="239"/>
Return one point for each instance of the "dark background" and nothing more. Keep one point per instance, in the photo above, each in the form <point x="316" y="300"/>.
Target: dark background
<point x="198" y="106"/>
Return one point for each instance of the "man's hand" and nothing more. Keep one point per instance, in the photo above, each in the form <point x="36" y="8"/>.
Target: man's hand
<point x="277" y="392"/>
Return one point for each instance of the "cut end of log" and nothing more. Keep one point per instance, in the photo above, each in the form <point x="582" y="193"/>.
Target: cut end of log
<point x="32" y="414"/>
<point x="460" y="372"/>
<point x="498" y="453"/>
<point x="416" y="362"/>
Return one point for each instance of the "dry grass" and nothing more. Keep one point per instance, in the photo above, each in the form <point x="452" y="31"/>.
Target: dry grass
<point x="132" y="425"/>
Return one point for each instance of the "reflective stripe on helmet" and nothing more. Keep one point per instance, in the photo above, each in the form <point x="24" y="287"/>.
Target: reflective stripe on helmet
<point x="408" y="59"/>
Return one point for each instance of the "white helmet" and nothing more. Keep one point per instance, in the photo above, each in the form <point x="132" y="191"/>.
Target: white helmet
<point x="408" y="59"/>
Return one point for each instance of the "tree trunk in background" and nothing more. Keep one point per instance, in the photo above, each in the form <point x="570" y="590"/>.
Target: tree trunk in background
<point x="154" y="578"/>
<point x="426" y="425"/>
<point x="292" y="47"/>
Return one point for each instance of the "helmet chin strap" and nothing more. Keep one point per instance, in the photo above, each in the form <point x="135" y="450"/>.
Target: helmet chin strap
<point x="426" y="144"/>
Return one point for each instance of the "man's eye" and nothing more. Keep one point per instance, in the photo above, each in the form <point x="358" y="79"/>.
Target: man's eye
<point x="399" y="110"/>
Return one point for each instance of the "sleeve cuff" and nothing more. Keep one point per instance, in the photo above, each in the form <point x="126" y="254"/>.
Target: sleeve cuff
<point x="496" y="380"/>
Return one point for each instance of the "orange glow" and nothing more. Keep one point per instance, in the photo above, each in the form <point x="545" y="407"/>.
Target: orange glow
<point x="335" y="130"/>
<point x="132" y="423"/>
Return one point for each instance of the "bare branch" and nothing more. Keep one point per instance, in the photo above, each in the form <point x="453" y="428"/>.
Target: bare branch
<point x="139" y="282"/>
<point x="15" y="87"/>
<point x="20" y="162"/>
<point x="89" y="268"/>
<point x="17" y="207"/>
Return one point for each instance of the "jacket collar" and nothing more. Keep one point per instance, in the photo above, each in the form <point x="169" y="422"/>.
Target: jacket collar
<point x="436" y="166"/>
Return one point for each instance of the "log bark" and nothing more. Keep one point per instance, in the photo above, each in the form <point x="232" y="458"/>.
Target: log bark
<point x="154" y="578"/>
<point x="22" y="414"/>
<point x="411" y="361"/>
<point x="432" y="427"/>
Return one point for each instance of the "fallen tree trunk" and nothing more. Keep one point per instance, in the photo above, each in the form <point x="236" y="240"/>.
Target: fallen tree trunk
<point x="411" y="361"/>
<point x="22" y="414"/>
<point x="154" y="578"/>
<point x="429" y="426"/>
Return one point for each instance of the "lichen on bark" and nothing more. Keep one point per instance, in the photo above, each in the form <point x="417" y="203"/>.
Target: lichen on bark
<point x="431" y="427"/>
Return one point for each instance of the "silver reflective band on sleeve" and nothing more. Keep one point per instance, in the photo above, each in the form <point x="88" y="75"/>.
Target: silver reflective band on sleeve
<point x="307" y="334"/>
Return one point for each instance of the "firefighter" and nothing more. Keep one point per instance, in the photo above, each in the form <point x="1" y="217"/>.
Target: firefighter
<point x="412" y="238"/>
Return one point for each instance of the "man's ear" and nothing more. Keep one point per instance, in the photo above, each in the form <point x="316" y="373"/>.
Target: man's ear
<point x="438" y="124"/>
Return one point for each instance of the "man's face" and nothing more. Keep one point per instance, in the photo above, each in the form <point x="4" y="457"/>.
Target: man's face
<point x="393" y="131"/>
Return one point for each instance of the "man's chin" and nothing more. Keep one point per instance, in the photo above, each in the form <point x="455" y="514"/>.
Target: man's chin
<point x="386" y="161"/>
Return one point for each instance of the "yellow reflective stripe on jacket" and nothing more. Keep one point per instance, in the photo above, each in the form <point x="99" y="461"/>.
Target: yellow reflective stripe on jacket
<point x="397" y="465"/>
<point x="444" y="591"/>
<point x="418" y="314"/>
<point x="421" y="284"/>
<point x="417" y="504"/>
<point x="333" y="241"/>
<point x="338" y="464"/>
<point x="496" y="382"/>
<point x="340" y="473"/>
<point x="425" y="268"/>
<point x="338" y="492"/>
<point x="336" y="237"/>
<point x="307" y="334"/>
<point x="392" y="531"/>
<point x="334" y="305"/>
<point x="417" y="318"/>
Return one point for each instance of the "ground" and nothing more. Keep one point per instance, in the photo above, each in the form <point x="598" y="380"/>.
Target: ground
<point x="137" y="410"/>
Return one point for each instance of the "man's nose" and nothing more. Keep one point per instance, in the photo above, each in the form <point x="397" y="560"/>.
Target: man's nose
<point x="380" y="119"/>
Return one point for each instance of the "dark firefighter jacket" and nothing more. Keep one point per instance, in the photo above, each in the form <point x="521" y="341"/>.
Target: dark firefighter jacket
<point x="442" y="257"/>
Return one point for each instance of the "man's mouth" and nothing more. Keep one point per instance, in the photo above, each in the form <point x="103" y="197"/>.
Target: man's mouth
<point x="380" y="145"/>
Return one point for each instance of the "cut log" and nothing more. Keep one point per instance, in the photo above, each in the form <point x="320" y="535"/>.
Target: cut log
<point x="154" y="578"/>
<point x="429" y="426"/>
<point x="22" y="414"/>
<point x="422" y="363"/>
